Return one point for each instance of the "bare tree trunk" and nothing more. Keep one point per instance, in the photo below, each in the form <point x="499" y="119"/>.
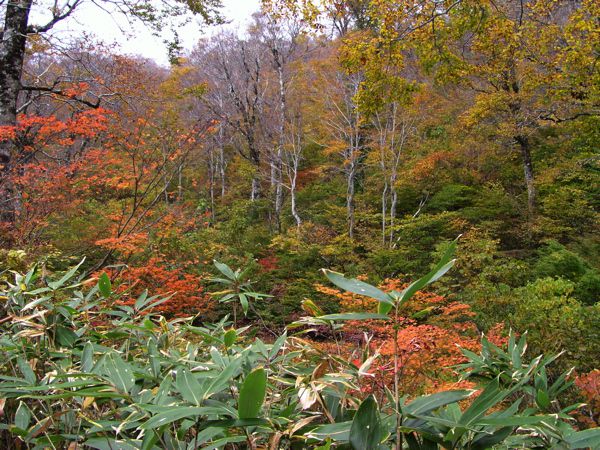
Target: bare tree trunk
<point x="221" y="157"/>
<point x="384" y="211"/>
<point x="222" y="170"/>
<point x="277" y="60"/>
<point x="293" y="198"/>
<point x="528" y="172"/>
<point x="211" y="184"/>
<point x="180" y="183"/>
<point x="350" y="191"/>
<point x="278" y="189"/>
<point x="12" y="53"/>
<point x="255" y="193"/>
<point x="255" y="160"/>
<point x="393" y="206"/>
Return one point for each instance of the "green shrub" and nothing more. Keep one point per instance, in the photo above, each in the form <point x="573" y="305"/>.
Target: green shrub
<point x="555" y="320"/>
<point x="556" y="261"/>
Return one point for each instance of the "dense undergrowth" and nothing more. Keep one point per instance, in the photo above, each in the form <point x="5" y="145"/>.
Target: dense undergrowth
<point x="85" y="367"/>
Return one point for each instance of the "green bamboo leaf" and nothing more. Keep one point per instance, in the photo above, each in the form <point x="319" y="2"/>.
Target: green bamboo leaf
<point x="87" y="358"/>
<point x="172" y="415"/>
<point x="427" y="403"/>
<point x="514" y="421"/>
<point x="106" y="443"/>
<point x="26" y="370"/>
<point x="584" y="439"/>
<point x="337" y="431"/>
<point x="277" y="345"/>
<point x="22" y="416"/>
<point x="252" y="394"/>
<point x="222" y="380"/>
<point x="120" y="373"/>
<point x="66" y="277"/>
<point x="491" y="395"/>
<point x="443" y="266"/>
<point x="384" y="308"/>
<point x="104" y="285"/>
<point x="244" y="302"/>
<point x="366" y="431"/>
<point x="229" y="338"/>
<point x="65" y="337"/>
<point x="142" y="300"/>
<point x="222" y="443"/>
<point x="357" y="287"/>
<point x="224" y="269"/>
<point x="187" y="385"/>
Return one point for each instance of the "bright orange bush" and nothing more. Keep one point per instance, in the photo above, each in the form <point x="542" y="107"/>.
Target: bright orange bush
<point x="431" y="332"/>
<point x="188" y="296"/>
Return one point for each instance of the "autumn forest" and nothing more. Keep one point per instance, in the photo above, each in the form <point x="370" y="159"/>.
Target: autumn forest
<point x="348" y="224"/>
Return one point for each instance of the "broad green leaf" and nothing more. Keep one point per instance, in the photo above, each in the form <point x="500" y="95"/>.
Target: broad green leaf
<point x="237" y="423"/>
<point x="206" y="435"/>
<point x="66" y="337"/>
<point x="66" y="277"/>
<point x="432" y="276"/>
<point x="225" y="270"/>
<point x="104" y="285"/>
<point x="222" y="380"/>
<point x="120" y="373"/>
<point x="229" y="338"/>
<point x="366" y="431"/>
<point x="252" y="394"/>
<point x="26" y="370"/>
<point x="584" y="439"/>
<point x="22" y="416"/>
<point x="436" y="273"/>
<point x="542" y="399"/>
<point x="222" y="443"/>
<point x="244" y="303"/>
<point x="384" y="308"/>
<point x="174" y="414"/>
<point x="491" y="395"/>
<point x="514" y="421"/>
<point x="326" y="446"/>
<point x="356" y="286"/>
<point x="141" y="300"/>
<point x="87" y="357"/>
<point x="337" y="431"/>
<point x="277" y="345"/>
<point x="427" y="403"/>
<point x="188" y="386"/>
<point x="112" y="444"/>
<point x="488" y="441"/>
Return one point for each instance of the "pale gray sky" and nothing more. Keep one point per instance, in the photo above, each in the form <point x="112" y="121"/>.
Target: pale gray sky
<point x="106" y="27"/>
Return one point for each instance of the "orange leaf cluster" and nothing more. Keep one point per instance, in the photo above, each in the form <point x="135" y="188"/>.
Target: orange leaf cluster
<point x="431" y="332"/>
<point x="188" y="296"/>
<point x="589" y="386"/>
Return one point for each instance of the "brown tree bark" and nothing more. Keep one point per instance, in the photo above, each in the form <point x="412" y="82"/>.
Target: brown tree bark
<point x="13" y="38"/>
<point x="527" y="171"/>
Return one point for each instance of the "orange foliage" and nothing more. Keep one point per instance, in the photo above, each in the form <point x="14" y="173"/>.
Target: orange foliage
<point x="188" y="297"/>
<point x="589" y="386"/>
<point x="50" y="179"/>
<point x="127" y="244"/>
<point x="431" y="332"/>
